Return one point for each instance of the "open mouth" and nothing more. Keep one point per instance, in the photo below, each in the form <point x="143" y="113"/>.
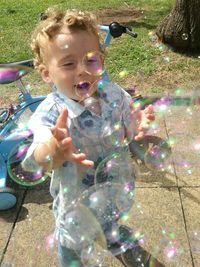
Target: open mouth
<point x="83" y="89"/>
<point x="83" y="86"/>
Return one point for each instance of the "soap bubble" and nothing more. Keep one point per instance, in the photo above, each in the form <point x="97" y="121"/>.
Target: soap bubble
<point x="113" y="135"/>
<point x="113" y="191"/>
<point x="185" y="36"/>
<point x="186" y="155"/>
<point x="92" y="104"/>
<point x="16" y="170"/>
<point x="136" y="256"/>
<point x="158" y="157"/>
<point x="109" y="201"/>
<point x="62" y="41"/>
<point x="93" y="63"/>
<point x="46" y="247"/>
<point x="84" y="89"/>
<point x="122" y="238"/>
<point x="80" y="229"/>
<point x="116" y="169"/>
<point x="94" y="255"/>
<point x="166" y="59"/>
<point x="168" y="247"/>
<point x="179" y="149"/>
<point x="195" y="241"/>
<point x="162" y="105"/>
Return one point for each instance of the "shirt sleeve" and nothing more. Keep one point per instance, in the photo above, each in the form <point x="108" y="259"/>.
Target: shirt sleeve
<point x="40" y="124"/>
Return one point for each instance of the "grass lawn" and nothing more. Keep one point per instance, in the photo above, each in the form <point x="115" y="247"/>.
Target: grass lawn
<point x="140" y="62"/>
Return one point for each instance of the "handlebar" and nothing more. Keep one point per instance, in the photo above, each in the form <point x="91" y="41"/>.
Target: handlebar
<point x="116" y="30"/>
<point x="13" y="71"/>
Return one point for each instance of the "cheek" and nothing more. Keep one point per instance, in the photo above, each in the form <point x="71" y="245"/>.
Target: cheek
<point x="69" y="79"/>
<point x="66" y="81"/>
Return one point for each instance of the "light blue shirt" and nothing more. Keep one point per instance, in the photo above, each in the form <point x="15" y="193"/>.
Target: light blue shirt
<point x="96" y="135"/>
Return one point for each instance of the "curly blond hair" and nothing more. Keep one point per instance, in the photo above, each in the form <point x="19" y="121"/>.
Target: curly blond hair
<point x="51" y="23"/>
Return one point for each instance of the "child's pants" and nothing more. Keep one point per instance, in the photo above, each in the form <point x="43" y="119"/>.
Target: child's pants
<point x="68" y="258"/>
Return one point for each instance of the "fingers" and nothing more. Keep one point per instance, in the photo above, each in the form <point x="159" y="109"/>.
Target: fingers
<point x="62" y="119"/>
<point x="64" y="142"/>
<point x="145" y="116"/>
<point x="87" y="163"/>
<point x="59" y="133"/>
<point x="81" y="159"/>
<point x="150" y="108"/>
<point x="68" y="149"/>
<point x="139" y="136"/>
<point x="60" y="130"/>
<point x="150" y="117"/>
<point x="149" y="112"/>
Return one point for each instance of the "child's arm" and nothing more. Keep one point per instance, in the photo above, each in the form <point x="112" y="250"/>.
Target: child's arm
<point x="59" y="148"/>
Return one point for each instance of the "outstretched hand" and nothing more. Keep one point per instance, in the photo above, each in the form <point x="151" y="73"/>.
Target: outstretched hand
<point x="65" y="147"/>
<point x="141" y="120"/>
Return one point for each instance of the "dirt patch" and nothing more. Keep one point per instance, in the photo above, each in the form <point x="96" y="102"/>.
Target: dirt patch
<point x="123" y="14"/>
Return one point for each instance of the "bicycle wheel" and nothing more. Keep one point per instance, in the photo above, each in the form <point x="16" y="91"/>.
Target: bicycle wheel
<point x="17" y="173"/>
<point x="8" y="198"/>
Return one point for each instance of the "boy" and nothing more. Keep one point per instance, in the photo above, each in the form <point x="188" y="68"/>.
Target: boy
<point x="84" y="120"/>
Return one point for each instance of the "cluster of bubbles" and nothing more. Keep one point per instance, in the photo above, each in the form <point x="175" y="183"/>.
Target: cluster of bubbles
<point x="84" y="234"/>
<point x="172" y="151"/>
<point x="112" y="195"/>
<point x="108" y="200"/>
<point x="101" y="206"/>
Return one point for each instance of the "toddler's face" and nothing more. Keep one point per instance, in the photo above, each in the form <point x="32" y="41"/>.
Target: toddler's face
<point x="68" y="62"/>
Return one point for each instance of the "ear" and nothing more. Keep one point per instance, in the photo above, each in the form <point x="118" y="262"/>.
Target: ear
<point x="45" y="73"/>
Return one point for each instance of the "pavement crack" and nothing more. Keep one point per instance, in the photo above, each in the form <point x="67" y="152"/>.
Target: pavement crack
<point x="13" y="227"/>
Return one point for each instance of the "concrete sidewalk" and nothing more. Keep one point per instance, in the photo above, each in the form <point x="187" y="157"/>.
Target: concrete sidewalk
<point x="166" y="210"/>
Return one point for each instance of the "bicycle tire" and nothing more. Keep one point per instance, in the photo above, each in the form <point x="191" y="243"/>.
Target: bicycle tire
<point x="8" y="198"/>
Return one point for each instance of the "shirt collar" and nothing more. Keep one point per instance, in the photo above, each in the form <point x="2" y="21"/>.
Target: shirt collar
<point x="74" y="108"/>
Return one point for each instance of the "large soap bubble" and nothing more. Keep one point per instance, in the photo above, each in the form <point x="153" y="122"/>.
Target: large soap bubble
<point x="94" y="255"/>
<point x="110" y="198"/>
<point x="18" y="173"/>
<point x="114" y="135"/>
<point x="116" y="176"/>
<point x="168" y="247"/>
<point x="75" y="231"/>
<point x="158" y="157"/>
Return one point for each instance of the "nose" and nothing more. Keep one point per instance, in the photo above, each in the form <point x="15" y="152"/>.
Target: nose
<point x="81" y="69"/>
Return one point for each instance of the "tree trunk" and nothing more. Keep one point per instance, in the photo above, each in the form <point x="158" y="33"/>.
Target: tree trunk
<point x="181" y="28"/>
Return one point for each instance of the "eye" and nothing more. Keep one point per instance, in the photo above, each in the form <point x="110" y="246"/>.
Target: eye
<point x="69" y="65"/>
<point x="92" y="60"/>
